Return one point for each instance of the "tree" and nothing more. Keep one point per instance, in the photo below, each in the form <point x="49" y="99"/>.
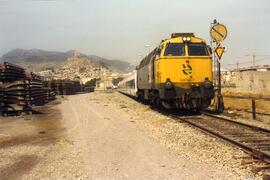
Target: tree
<point x="91" y="83"/>
<point x="115" y="81"/>
<point x="82" y="70"/>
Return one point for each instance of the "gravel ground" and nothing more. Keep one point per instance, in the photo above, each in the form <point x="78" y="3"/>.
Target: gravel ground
<point x="182" y="139"/>
<point x="110" y="136"/>
<point x="114" y="147"/>
<point x="36" y="147"/>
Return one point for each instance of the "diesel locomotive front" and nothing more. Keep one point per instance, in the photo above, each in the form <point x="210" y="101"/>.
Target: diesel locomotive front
<point x="177" y="74"/>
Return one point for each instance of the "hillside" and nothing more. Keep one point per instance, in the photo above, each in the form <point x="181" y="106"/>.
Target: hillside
<point x="80" y="67"/>
<point x="117" y="65"/>
<point x="37" y="60"/>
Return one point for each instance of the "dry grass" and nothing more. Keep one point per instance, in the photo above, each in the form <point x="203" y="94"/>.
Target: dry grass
<point x="232" y="92"/>
<point x="245" y="104"/>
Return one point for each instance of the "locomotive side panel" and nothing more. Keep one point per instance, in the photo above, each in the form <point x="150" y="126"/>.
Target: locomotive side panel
<point x="143" y="78"/>
<point x="146" y="73"/>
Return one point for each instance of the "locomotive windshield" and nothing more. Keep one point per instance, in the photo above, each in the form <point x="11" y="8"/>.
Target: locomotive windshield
<point x="197" y="49"/>
<point x="175" y="49"/>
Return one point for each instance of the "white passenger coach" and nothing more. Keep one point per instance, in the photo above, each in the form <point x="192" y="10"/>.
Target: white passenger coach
<point x="129" y="84"/>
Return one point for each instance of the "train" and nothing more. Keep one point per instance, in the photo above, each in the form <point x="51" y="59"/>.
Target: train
<point x="177" y="74"/>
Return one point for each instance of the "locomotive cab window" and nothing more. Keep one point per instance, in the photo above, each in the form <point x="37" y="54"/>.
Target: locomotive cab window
<point x="197" y="49"/>
<point x="175" y="49"/>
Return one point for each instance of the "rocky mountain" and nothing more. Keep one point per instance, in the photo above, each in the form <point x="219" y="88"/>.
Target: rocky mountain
<point x="37" y="60"/>
<point x="117" y="65"/>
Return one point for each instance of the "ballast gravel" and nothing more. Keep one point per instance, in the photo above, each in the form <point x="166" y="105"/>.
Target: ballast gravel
<point x="180" y="138"/>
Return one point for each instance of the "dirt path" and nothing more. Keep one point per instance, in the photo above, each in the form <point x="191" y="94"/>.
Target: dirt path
<point x="109" y="136"/>
<point x="113" y="148"/>
<point x="36" y="147"/>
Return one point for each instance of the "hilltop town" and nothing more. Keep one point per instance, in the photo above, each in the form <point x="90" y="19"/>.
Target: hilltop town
<point x="83" y="69"/>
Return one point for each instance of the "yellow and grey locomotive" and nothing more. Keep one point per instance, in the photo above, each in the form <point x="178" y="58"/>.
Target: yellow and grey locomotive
<point x="177" y="74"/>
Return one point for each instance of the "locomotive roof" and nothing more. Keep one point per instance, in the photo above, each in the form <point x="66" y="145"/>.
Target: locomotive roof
<point x="179" y="39"/>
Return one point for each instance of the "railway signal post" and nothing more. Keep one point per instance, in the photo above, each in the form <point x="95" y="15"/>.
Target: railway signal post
<point x="218" y="33"/>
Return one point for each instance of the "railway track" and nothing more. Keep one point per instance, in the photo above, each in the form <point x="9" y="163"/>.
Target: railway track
<point x="251" y="139"/>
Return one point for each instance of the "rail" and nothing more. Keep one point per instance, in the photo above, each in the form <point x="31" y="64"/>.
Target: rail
<point x="251" y="139"/>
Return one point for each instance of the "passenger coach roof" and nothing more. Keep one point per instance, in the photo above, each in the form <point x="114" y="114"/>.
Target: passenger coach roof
<point x="129" y="77"/>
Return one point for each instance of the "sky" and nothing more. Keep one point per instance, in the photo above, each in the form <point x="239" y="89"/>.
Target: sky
<point x="124" y="29"/>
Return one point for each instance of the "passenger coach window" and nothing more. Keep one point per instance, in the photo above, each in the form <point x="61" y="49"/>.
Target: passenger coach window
<point x="175" y="49"/>
<point x="198" y="49"/>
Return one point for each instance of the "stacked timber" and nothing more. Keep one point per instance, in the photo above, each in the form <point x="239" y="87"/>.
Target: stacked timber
<point x="13" y="89"/>
<point x="20" y="92"/>
<point x="50" y="90"/>
<point x="50" y="95"/>
<point x="1" y="98"/>
<point x="36" y="91"/>
<point x="67" y="87"/>
<point x="15" y="98"/>
<point x="88" y="89"/>
<point x="59" y="87"/>
<point x="71" y="87"/>
<point x="11" y="72"/>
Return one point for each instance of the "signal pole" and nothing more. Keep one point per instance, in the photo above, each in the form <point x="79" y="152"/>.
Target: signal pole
<point x="219" y="76"/>
<point x="218" y="33"/>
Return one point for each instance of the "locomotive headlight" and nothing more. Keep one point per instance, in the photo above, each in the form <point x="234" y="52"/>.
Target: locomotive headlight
<point x="168" y="85"/>
<point x="186" y="39"/>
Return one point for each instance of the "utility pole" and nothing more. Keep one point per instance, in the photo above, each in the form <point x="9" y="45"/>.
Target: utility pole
<point x="253" y="59"/>
<point x="254" y="56"/>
